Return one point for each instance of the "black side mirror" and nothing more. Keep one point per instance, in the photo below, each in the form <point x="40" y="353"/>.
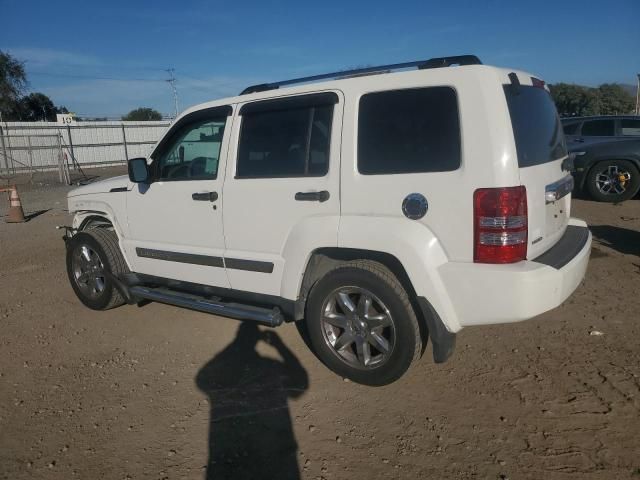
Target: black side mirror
<point x="138" y="170"/>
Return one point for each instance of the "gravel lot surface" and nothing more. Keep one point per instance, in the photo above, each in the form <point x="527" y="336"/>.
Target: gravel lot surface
<point x="153" y="392"/>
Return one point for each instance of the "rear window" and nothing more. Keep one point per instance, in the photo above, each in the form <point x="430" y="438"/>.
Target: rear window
<point x="536" y="126"/>
<point x="408" y="131"/>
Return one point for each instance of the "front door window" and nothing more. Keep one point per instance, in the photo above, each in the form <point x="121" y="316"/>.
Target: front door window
<point x="194" y="152"/>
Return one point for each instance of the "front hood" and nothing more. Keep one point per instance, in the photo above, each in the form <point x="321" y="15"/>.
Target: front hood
<point x="102" y="186"/>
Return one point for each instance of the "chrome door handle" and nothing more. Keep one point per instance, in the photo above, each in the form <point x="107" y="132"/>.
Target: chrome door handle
<point x="322" y="196"/>
<point x="205" y="196"/>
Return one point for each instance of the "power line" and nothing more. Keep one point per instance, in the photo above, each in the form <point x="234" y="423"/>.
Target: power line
<point x="91" y="77"/>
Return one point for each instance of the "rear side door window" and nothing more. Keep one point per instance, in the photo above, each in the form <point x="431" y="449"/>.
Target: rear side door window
<point x="598" y="128"/>
<point x="286" y="138"/>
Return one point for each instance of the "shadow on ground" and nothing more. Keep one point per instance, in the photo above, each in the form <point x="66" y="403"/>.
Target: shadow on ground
<point x="620" y="239"/>
<point x="250" y="428"/>
<point x="35" y="214"/>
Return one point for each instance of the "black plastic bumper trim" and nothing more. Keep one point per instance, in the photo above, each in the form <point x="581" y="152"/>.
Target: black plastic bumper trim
<point x="570" y="245"/>
<point x="442" y="340"/>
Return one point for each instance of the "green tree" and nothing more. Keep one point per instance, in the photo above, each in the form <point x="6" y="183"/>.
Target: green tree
<point x="607" y="99"/>
<point x="615" y="100"/>
<point x="143" y="114"/>
<point x="575" y="100"/>
<point x="13" y="81"/>
<point x="35" y="107"/>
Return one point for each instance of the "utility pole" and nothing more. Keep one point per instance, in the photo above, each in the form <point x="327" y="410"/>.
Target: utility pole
<point x="172" y="82"/>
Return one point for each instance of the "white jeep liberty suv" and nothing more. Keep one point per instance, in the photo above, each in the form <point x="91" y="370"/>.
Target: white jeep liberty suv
<point x="377" y="208"/>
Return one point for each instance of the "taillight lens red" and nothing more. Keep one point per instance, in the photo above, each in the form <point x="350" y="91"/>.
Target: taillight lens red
<point x="500" y="225"/>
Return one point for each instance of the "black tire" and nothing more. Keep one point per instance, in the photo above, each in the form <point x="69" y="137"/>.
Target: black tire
<point x="104" y="244"/>
<point x="387" y="295"/>
<point x="630" y="186"/>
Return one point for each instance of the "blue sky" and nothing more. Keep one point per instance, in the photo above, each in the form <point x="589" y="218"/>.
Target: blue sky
<point x="105" y="58"/>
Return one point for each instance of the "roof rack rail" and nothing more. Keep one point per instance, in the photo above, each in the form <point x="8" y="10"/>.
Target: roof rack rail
<point x="420" y="64"/>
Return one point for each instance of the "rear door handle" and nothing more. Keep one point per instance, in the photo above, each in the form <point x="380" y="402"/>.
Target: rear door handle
<point x="578" y="140"/>
<point x="322" y="196"/>
<point x="205" y="196"/>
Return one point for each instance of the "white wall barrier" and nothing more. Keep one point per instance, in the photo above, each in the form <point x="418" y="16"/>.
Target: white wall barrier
<point x="37" y="146"/>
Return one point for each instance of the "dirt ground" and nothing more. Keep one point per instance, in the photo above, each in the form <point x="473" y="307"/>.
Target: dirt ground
<point x="151" y="392"/>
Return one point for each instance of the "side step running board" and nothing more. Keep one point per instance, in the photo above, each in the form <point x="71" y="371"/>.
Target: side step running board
<point x="270" y="317"/>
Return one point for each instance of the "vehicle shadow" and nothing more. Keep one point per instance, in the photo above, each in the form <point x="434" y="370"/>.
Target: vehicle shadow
<point x="35" y="214"/>
<point x="250" y="427"/>
<point x="623" y="240"/>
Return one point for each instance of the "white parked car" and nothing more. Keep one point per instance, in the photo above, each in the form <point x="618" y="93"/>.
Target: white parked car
<point x="377" y="207"/>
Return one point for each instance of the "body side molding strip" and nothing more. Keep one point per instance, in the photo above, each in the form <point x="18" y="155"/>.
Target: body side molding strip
<point x="179" y="257"/>
<point x="248" y="265"/>
<point x="206" y="260"/>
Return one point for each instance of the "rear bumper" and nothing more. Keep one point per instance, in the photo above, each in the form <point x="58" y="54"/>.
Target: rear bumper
<point x="488" y="294"/>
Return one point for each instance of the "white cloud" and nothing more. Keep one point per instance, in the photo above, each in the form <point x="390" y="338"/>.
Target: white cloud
<point x="109" y="97"/>
<point x="45" y="57"/>
<point x="116" y="97"/>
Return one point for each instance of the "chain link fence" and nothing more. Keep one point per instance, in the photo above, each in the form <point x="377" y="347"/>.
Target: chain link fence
<point x="34" y="147"/>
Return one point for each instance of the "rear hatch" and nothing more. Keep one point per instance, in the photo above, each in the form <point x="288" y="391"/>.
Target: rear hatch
<point x="541" y="148"/>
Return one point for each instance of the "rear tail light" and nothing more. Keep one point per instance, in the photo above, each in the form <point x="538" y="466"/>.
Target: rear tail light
<point x="500" y="225"/>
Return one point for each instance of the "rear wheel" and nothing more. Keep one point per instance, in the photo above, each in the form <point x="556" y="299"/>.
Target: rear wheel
<point x="90" y="254"/>
<point x="613" y="181"/>
<point x="361" y="323"/>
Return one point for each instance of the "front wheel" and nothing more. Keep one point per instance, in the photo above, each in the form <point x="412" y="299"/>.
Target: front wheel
<point x="613" y="181"/>
<point x="361" y="323"/>
<point x="91" y="256"/>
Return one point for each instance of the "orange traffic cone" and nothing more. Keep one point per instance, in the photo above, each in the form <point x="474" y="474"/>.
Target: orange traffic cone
<point x="16" y="214"/>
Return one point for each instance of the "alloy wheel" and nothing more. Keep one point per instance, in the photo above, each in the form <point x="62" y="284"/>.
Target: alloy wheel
<point x="358" y="327"/>
<point x="613" y="180"/>
<point x="88" y="271"/>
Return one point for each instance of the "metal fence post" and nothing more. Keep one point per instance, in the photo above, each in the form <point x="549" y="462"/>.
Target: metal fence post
<point x="30" y="150"/>
<point x="124" y="139"/>
<point x="60" y="159"/>
<point x="73" y="156"/>
<point x="5" y="160"/>
<point x="11" y="167"/>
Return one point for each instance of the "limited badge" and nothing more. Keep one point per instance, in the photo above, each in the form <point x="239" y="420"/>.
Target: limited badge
<point x="415" y="206"/>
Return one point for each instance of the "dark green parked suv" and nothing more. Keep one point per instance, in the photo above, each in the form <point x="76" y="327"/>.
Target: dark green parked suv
<point x="607" y="155"/>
